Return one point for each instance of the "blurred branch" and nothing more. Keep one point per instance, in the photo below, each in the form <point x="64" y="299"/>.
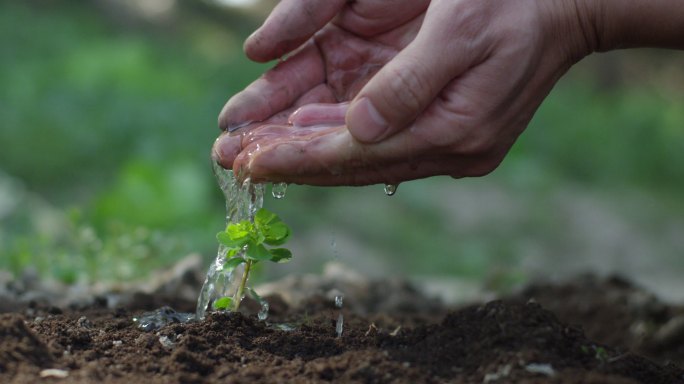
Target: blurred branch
<point x="169" y="15"/>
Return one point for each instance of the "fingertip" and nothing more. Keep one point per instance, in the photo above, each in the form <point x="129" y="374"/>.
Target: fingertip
<point x="224" y="122"/>
<point x="225" y="150"/>
<point x="255" y="50"/>
<point x="242" y="109"/>
<point x="365" y="122"/>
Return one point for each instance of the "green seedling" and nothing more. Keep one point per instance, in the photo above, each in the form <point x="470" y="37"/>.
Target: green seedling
<point x="248" y="243"/>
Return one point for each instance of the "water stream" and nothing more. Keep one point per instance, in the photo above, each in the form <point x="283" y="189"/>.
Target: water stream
<point x="242" y="202"/>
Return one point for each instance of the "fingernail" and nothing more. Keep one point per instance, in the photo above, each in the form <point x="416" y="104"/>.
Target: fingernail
<point x="232" y="127"/>
<point x="365" y="123"/>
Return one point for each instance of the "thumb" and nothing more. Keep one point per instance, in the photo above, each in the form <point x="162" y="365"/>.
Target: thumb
<point x="400" y="91"/>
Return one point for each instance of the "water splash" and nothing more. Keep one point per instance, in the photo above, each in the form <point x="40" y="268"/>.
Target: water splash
<point x="151" y="321"/>
<point x="339" y="300"/>
<point x="390" y="189"/>
<point x="264" y="307"/>
<point x="263" y="312"/>
<point x="242" y="202"/>
<point x="278" y="190"/>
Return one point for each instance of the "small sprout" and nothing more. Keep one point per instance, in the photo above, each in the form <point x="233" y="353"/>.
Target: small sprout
<point x="601" y="354"/>
<point x="223" y="303"/>
<point x="248" y="243"/>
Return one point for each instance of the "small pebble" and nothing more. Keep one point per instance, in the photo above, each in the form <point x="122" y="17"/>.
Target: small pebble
<point x="83" y="322"/>
<point x="55" y="373"/>
<point x="166" y="342"/>
<point x="544" y="369"/>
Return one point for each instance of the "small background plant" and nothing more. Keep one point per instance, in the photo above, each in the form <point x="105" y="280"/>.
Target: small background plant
<point x="246" y="243"/>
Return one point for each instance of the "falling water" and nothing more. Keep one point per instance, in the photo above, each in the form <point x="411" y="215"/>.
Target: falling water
<point x="339" y="325"/>
<point x="242" y="202"/>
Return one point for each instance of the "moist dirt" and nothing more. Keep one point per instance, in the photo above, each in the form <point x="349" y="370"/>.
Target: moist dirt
<point x="586" y="331"/>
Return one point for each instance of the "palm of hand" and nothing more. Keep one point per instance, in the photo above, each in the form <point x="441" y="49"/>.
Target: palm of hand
<point x="483" y="77"/>
<point x="329" y="69"/>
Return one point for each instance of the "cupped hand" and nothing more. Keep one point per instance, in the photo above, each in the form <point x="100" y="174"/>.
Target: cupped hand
<point x="388" y="91"/>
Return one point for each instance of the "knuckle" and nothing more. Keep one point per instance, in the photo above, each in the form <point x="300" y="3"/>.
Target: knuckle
<point x="408" y="88"/>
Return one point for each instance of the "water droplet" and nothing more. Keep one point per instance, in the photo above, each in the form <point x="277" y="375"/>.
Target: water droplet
<point x="278" y="190"/>
<point x="339" y="299"/>
<point x="263" y="312"/>
<point x="390" y="189"/>
<point x="333" y="246"/>
<point x="339" y="326"/>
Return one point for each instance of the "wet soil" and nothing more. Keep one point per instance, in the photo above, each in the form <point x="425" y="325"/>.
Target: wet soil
<point x="588" y="331"/>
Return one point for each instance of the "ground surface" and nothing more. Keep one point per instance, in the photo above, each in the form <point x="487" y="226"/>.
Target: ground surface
<point x="516" y="340"/>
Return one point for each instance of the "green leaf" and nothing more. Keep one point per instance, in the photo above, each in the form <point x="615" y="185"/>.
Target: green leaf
<point x="257" y="252"/>
<point x="280" y="255"/>
<point x="233" y="262"/>
<point x="239" y="232"/>
<point x="277" y="233"/>
<point x="223" y="303"/>
<point x="264" y="217"/>
<point x="225" y="239"/>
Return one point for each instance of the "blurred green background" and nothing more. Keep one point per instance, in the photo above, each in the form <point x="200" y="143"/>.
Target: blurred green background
<point x="108" y="112"/>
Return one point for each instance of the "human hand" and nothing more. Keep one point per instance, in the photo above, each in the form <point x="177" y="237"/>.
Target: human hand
<point x="442" y="91"/>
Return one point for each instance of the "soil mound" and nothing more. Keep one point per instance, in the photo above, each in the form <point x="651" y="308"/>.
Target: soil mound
<point x="537" y="336"/>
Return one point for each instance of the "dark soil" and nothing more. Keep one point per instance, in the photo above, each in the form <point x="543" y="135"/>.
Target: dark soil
<point x="516" y="340"/>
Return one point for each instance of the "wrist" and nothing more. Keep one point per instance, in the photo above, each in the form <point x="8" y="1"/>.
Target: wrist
<point x="570" y="28"/>
<point x="617" y="24"/>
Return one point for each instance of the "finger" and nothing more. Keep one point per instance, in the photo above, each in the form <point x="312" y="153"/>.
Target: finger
<point x="327" y="153"/>
<point x="229" y="144"/>
<point x="370" y="18"/>
<point x="276" y="90"/>
<point x="290" y="24"/>
<point x="319" y="94"/>
<point x="406" y="85"/>
<point x="319" y="114"/>
<point x="329" y="158"/>
<point x="225" y="149"/>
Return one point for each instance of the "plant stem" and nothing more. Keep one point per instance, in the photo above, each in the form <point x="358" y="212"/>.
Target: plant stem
<point x="241" y="288"/>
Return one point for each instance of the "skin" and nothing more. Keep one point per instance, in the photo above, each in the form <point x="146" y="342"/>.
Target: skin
<point x="384" y="91"/>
